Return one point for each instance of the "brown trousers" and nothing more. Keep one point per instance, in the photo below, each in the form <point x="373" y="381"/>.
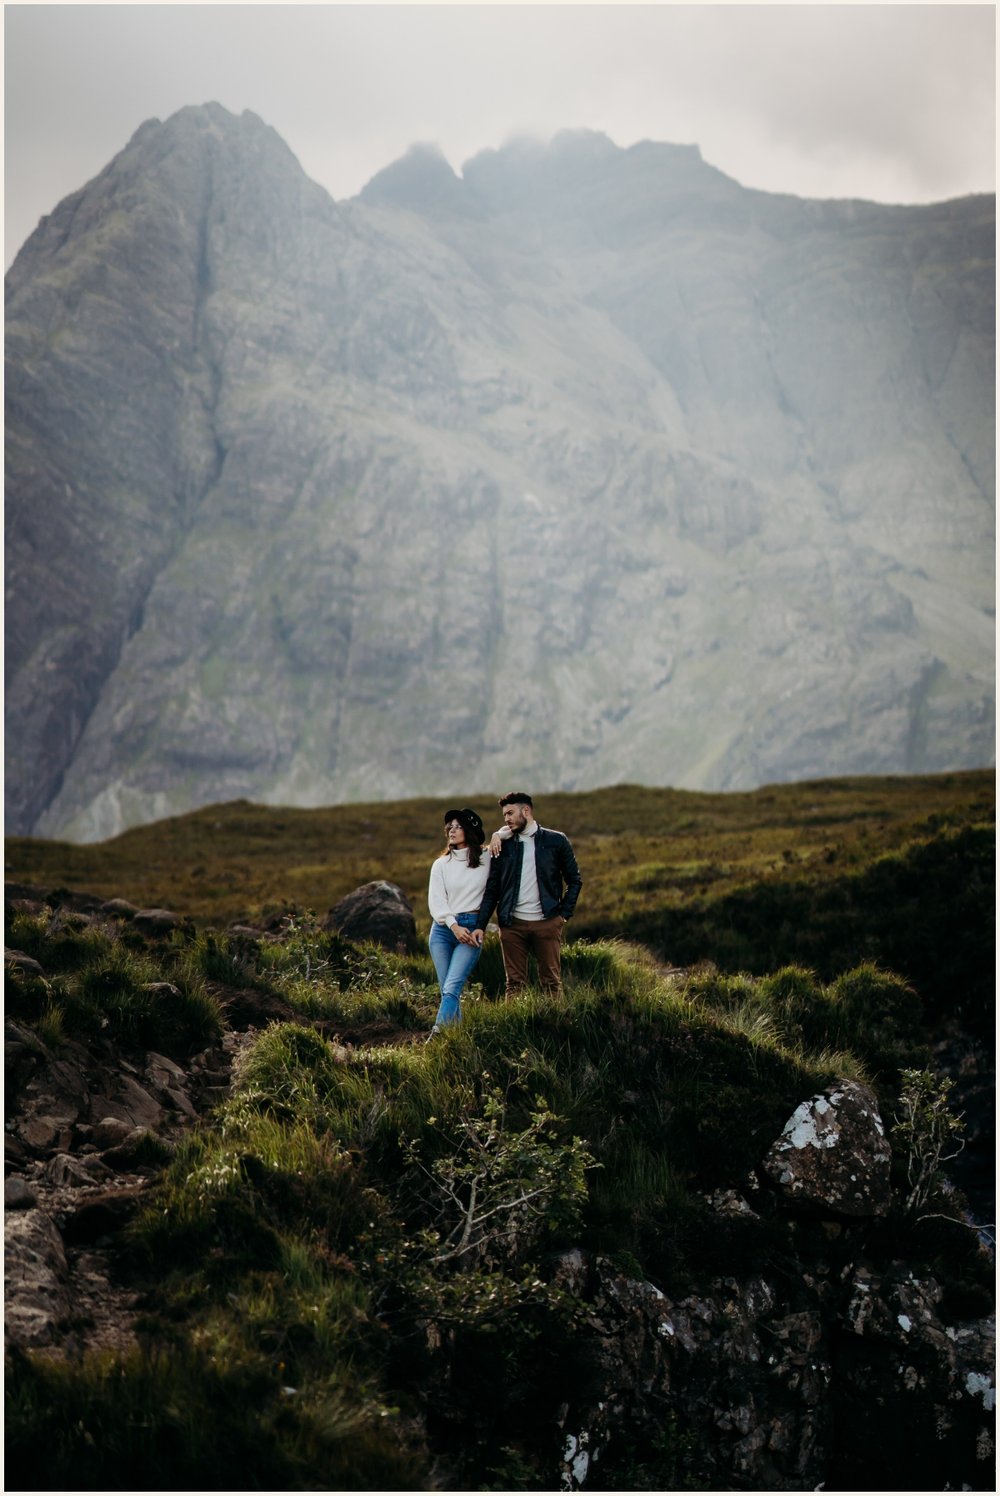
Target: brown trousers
<point x="541" y="938"/>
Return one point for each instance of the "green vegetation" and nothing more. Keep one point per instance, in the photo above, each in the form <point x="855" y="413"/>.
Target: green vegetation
<point x="95" y="981"/>
<point x="357" y="1254"/>
<point x="929" y="1133"/>
<point x="926" y="911"/>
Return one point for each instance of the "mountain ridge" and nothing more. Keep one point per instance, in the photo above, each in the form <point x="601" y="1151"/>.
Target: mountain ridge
<point x="241" y="417"/>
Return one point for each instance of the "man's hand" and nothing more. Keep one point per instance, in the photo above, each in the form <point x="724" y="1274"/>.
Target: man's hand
<point x="496" y="842"/>
<point x="463" y="935"/>
<point x="476" y="936"/>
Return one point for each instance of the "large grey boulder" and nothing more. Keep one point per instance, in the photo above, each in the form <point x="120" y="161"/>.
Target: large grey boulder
<point x="379" y="912"/>
<point x="833" y="1154"/>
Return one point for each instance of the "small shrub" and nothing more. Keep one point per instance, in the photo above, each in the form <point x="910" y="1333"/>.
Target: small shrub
<point x="929" y="1135"/>
<point x="492" y="1187"/>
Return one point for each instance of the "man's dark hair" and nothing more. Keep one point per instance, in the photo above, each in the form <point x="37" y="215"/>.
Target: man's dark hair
<point x="516" y="797"/>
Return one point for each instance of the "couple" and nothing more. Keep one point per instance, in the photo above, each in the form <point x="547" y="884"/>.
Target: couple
<point x="530" y="878"/>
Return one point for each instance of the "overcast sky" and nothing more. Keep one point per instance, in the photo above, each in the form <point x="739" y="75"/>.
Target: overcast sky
<point x="890" y="102"/>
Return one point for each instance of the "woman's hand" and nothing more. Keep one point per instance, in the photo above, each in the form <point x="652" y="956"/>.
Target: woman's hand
<point x="462" y="934"/>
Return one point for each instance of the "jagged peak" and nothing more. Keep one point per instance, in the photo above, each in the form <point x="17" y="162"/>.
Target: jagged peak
<point x="211" y="119"/>
<point x="422" y="181"/>
<point x="172" y="157"/>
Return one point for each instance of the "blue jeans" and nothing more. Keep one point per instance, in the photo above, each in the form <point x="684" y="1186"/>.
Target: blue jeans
<point x="453" y="961"/>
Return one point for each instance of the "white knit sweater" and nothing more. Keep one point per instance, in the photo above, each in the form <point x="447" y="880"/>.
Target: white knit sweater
<point x="456" y="888"/>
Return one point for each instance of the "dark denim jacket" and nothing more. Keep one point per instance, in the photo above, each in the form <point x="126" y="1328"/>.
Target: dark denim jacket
<point x="555" y="866"/>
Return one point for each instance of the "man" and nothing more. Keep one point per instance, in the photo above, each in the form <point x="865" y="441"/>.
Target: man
<point x="534" y="884"/>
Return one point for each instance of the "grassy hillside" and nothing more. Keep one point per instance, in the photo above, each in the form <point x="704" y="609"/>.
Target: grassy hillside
<point x="640" y="849"/>
<point x="826" y="874"/>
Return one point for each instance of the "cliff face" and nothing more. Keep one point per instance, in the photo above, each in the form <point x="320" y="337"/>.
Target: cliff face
<point x="587" y="466"/>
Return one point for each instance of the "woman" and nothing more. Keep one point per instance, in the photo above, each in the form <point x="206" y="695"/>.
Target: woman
<point x="454" y="895"/>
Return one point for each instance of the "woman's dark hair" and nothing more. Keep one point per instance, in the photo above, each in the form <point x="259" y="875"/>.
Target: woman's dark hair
<point x="475" y="852"/>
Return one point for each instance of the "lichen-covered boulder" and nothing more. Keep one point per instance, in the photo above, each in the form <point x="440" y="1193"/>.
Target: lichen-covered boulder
<point x="833" y="1154"/>
<point x="379" y="912"/>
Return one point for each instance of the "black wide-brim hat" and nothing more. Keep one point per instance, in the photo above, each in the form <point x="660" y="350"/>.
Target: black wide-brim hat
<point x="469" y="821"/>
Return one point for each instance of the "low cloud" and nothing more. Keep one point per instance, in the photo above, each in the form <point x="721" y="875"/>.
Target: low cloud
<point x="892" y="102"/>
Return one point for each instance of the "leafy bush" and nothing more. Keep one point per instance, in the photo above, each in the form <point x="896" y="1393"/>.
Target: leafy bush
<point x="929" y="1134"/>
<point x="492" y="1187"/>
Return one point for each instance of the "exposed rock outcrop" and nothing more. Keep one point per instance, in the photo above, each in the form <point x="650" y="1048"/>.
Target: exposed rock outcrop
<point x="758" y="1386"/>
<point x="87" y="1129"/>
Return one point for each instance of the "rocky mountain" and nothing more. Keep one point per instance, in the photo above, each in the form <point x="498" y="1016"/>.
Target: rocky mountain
<point x="587" y="465"/>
